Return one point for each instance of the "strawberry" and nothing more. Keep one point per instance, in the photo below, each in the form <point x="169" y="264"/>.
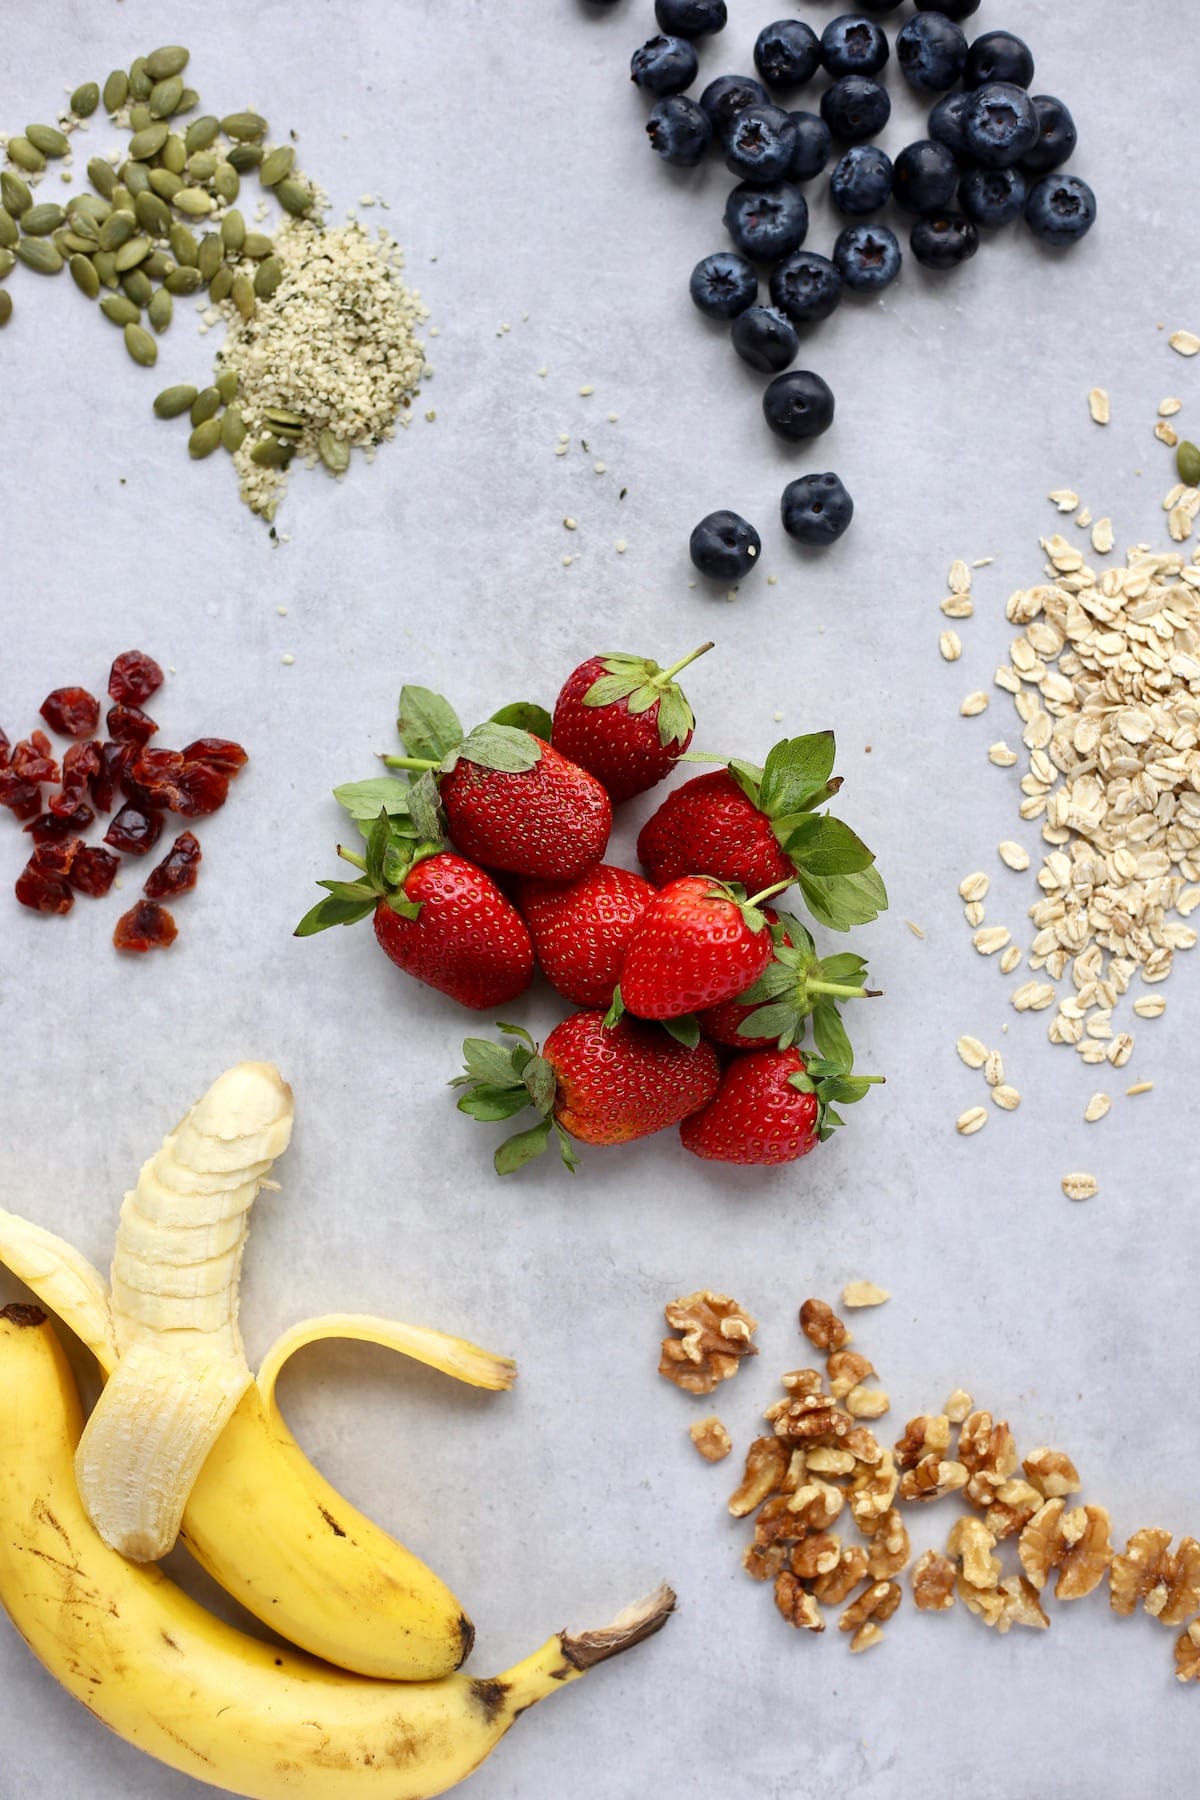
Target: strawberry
<point x="580" y="929"/>
<point x="625" y="719"/>
<point x="698" y="942"/>
<point x="773" y="1106"/>
<point x="596" y="1083"/>
<point x="796" y="985"/>
<point x="758" y="827"/>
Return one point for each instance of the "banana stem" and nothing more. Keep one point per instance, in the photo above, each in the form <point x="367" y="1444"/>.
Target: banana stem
<point x="666" y="675"/>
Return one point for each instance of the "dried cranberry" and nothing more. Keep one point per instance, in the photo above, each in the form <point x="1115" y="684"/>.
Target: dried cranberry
<point x="178" y="871"/>
<point x="43" y="891"/>
<point x="72" y="711"/>
<point x="200" y="791"/>
<point x="81" y="762"/>
<point x="134" y="831"/>
<point x="93" y="870"/>
<point x="218" y="753"/>
<point x="113" y="758"/>
<point x="129" y="724"/>
<point x="56" y="856"/>
<point x="49" y="825"/>
<point x="146" y="926"/>
<point x="133" y="677"/>
<point x="4" y="749"/>
<point x="32" y="759"/>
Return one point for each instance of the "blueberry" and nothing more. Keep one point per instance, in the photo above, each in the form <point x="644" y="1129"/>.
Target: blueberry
<point x="678" y="130"/>
<point x="931" y="51"/>
<point x="690" y="18"/>
<point x="727" y="96"/>
<point x="998" y="56"/>
<point x="798" y="405"/>
<point x="943" y="240"/>
<point x="814" y="146"/>
<point x="992" y="196"/>
<point x="953" y="9"/>
<point x="723" y="285"/>
<point x="1001" y="124"/>
<point x="852" y="45"/>
<point x="862" y="181"/>
<point x="925" y="177"/>
<point x="947" y="121"/>
<point x="867" y="257"/>
<point x="664" y="65"/>
<point x="787" y="53"/>
<point x="766" y="222"/>
<point x="816" y="509"/>
<point x="760" y="143"/>
<point x="1056" y="136"/>
<point x="1060" y="210"/>
<point x="806" y="287"/>
<point x="765" y="339"/>
<point x="724" y="546"/>
<point x="855" y="107"/>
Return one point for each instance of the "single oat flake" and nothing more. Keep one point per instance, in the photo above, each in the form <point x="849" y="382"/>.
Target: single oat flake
<point x="971" y="1121"/>
<point x="1080" y="1186"/>
<point x="950" y="645"/>
<point x="1098" y="405"/>
<point x="1185" y="342"/>
<point x="972" y="1052"/>
<point x="1096" y="1108"/>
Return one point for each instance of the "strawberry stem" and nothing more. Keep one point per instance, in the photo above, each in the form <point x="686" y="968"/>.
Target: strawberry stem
<point x="777" y="888"/>
<point x="666" y="675"/>
<point x="352" y="856"/>
<point x="841" y="990"/>
<point x="408" y="762"/>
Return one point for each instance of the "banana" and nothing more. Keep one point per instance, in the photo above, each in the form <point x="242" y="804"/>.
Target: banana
<point x="205" y="1699"/>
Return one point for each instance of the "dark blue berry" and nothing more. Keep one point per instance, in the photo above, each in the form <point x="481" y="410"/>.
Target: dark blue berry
<point x="931" y="51"/>
<point x="947" y="122"/>
<point x="855" y="108"/>
<point x="787" y="53"/>
<point x="690" y="18"/>
<point x="1001" y="124"/>
<point x="814" y="146"/>
<point x="1060" y="210"/>
<point x="723" y="285"/>
<point x="727" y="96"/>
<point x="862" y="181"/>
<point x="998" y="56"/>
<point x="953" y="9"/>
<point x="767" y="222"/>
<point x="816" y="509"/>
<point x="1056" y="136"/>
<point x="798" y="405"/>
<point x="724" y="546"/>
<point x="853" y="45"/>
<point x="867" y="257"/>
<point x="678" y="130"/>
<point x="925" y="177"/>
<point x="760" y="143"/>
<point x="992" y="196"/>
<point x="763" y="338"/>
<point x="806" y="287"/>
<point x="943" y="240"/>
<point x="664" y="65"/>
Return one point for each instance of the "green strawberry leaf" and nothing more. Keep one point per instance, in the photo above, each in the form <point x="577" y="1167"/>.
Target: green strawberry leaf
<point x="500" y="747"/>
<point x="616" y="1009"/>
<point x="566" y="1149"/>
<point x="822" y="845"/>
<point x="748" y="777"/>
<point x="333" y="911"/>
<point x="378" y="845"/>
<point x="488" y="1062"/>
<point x="428" y="725"/>
<point x="675" y="718"/>
<point x="540" y="1084"/>
<point x="841" y="901"/>
<point x="517" y="1031"/>
<point x="829" y="1122"/>
<point x="399" y="903"/>
<point x="491" y="1104"/>
<point x="845" y="1088"/>
<point x="363" y="799"/>
<point x="685" y="1030"/>
<point x="355" y="891"/>
<point x="525" y="715"/>
<point x="845" y="966"/>
<point x="424" y="809"/>
<point x="516" y="1151"/>
<point x="830" y="1035"/>
<point x="618" y="685"/>
<point x="795" y="770"/>
<point x="775" y="1020"/>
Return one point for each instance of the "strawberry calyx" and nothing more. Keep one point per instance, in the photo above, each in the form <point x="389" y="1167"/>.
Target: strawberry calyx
<point x="501" y="1080"/>
<point x="799" y="985"/>
<point x="833" y="1084"/>
<point x="434" y="739"/>
<point x="640" y="682"/>
<point x="393" y="849"/>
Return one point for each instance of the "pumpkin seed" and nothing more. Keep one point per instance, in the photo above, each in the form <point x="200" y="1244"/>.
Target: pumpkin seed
<point x="202" y="166"/>
<point x="85" y="100"/>
<point x="183" y="280"/>
<point x="141" y="346"/>
<point x="221" y="284"/>
<point x="72" y="242"/>
<point x="153" y="215"/>
<point x="140" y="117"/>
<point x="5" y="308"/>
<point x="189" y="100"/>
<point x="165" y="96"/>
<point x="1187" y="461"/>
<point x="40" y="221"/>
<point x="26" y="157"/>
<point x="131" y="253"/>
<point x="242" y="294"/>
<point x="294" y="197"/>
<point x="183" y="246"/>
<point x="39" y="254"/>
<point x="233" y="431"/>
<point x="194" y="202"/>
<point x="136" y="283"/>
<point x="105" y="265"/>
<point x="333" y="452"/>
<point x="257" y="245"/>
<point x="118" y="309"/>
<point x="211" y="255"/>
<point x="227" y="385"/>
<point x="282" y="418"/>
<point x="160" y="309"/>
<point x="136" y="178"/>
<point x="168" y="59"/>
<point x="102" y="176"/>
<point x="201" y="133"/>
<point x="90" y="206"/>
<point x="173" y="401"/>
<point x="140" y="79"/>
<point x="148" y="142"/>
<point x="84" y="226"/>
<point x="115" y="91"/>
<point x="156" y="265"/>
<point x="173" y="155"/>
<point x="8" y="263"/>
<point x="269" y="453"/>
<point x="267" y="277"/>
<point x="243" y="157"/>
<point x="122" y="200"/>
<point x="276" y="165"/>
<point x="48" y="139"/>
<point x="117" y="230"/>
<point x="233" y="230"/>
<point x="8" y="229"/>
<point x="15" y="194"/>
<point x="165" y="183"/>
<point x="84" y="275"/>
<point x="227" y="182"/>
<point x="206" y="405"/>
<point x="244" y="125"/>
<point x="205" y="438"/>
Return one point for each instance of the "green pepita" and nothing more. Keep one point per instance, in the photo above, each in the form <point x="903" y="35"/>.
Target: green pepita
<point x="115" y="91"/>
<point x="40" y="221"/>
<point x="333" y="452"/>
<point x="73" y="243"/>
<point x="102" y="176"/>
<point x="205" y="438"/>
<point x="257" y="245"/>
<point x="8" y="230"/>
<point x="189" y="100"/>
<point x="119" y="309"/>
<point x="117" y="230"/>
<point x="173" y="401"/>
<point x="233" y="230"/>
<point x="26" y="157"/>
<point x="160" y="309"/>
<point x="194" y="202"/>
<point x="227" y="385"/>
<point x="165" y="96"/>
<point x="244" y="157"/>
<point x="5" y="309"/>
<point x="147" y="143"/>
<point x="1187" y="461"/>
<point x="156" y="265"/>
<point x="211" y="255"/>
<point x="294" y="197"/>
<point x="221" y="284"/>
<point x="136" y="283"/>
<point x="48" y="139"/>
<point x="269" y="453"/>
<point x="136" y="177"/>
<point x="242" y="295"/>
<point x="244" y="126"/>
<point x="206" y="405"/>
<point x="165" y="184"/>
<point x="282" y="418"/>
<point x="83" y="273"/>
<point x="39" y="254"/>
<point x="168" y="59"/>
<point x="90" y="206"/>
<point x="276" y="165"/>
<point x="105" y="265"/>
<point x="84" y="226"/>
<point x="85" y="99"/>
<point x="233" y="431"/>
<point x="141" y="346"/>
<point x="140" y="79"/>
<point x="8" y="263"/>
<point x="183" y="280"/>
<point x="122" y="200"/>
<point x="202" y="166"/>
<point x="15" y="194"/>
<point x="201" y="133"/>
<point x="173" y="155"/>
<point x="183" y="245"/>
<point x="130" y="254"/>
<point x="227" y="182"/>
<point x="153" y="214"/>
<point x="140" y="117"/>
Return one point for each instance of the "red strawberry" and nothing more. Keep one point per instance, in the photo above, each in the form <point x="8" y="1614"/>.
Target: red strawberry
<point x="598" y="1083"/>
<point x="548" y="818"/>
<point x="709" y="824"/>
<point x="580" y="929"/>
<point x="696" y="943"/>
<point x="773" y="1106"/>
<point x="625" y="719"/>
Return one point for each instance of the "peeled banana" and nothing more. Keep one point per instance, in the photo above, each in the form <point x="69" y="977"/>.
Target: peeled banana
<point x="203" y="1698"/>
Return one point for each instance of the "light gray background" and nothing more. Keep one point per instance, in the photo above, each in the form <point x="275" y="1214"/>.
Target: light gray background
<point x="509" y="143"/>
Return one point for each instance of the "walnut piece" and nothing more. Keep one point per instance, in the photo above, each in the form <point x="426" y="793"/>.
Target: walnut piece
<point x="711" y="1439"/>
<point x="865" y="1638"/>
<point x="988" y="1604"/>
<point x="957" y="1406"/>
<point x="989" y="1452"/>
<point x="1052" y="1473"/>
<point x="766" y="1466"/>
<point x="838" y="1583"/>
<point x="763" y="1562"/>
<point x="890" y="1549"/>
<point x="808" y="1416"/>
<point x="1086" y="1563"/>
<point x="824" y="1461"/>
<point x="776" y="1524"/>
<point x="932" y="1478"/>
<point x="716" y="1335"/>
<point x="1042" y="1544"/>
<point x="1187" y="1653"/>
<point x="867" y="1403"/>
<point x="803" y="1381"/>
<point x="923" y="1436"/>
<point x="879" y="1601"/>
<point x="816" y="1556"/>
<point x="933" y="1577"/>
<point x="1015" y="1504"/>
<point x="871" y="1494"/>
<point x="796" y="1604"/>
<point x="1021" y="1604"/>
<point x="846" y="1368"/>
<point x="1179" y="1585"/>
<point x="815" y="1506"/>
<point x="864" y="1446"/>
<point x="1134" y="1576"/>
<point x="972" y="1543"/>
<point x="821" y="1326"/>
<point x="864" y="1293"/>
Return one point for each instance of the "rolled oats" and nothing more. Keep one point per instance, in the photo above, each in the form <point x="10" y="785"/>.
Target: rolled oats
<point x="1014" y="855"/>
<point x="971" y="1121"/>
<point x="972" y="1052"/>
<point x="974" y="704"/>
<point x="1186" y="342"/>
<point x="1097" y="1107"/>
<point x="1002" y="756"/>
<point x="1010" y="959"/>
<point x="950" y="645"/>
<point x="1080" y="1186"/>
<point x="974" y="886"/>
<point x="1098" y="405"/>
<point x="1006" y="1098"/>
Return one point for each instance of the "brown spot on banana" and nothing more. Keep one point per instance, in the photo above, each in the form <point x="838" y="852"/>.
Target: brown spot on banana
<point x="490" y="1697"/>
<point x="23" y="1316"/>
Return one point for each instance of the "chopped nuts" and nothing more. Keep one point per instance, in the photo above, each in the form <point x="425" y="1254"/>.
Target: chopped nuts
<point x="711" y="1438"/>
<point x="925" y="1435"/>
<point x="1187" y="1653"/>
<point x="890" y="1548"/>
<point x="846" y="1368"/>
<point x="821" y="1326"/>
<point x="834" y="1585"/>
<point x="1134" y="1576"/>
<point x="796" y="1604"/>
<point x="716" y="1335"/>
<point x="971" y="1543"/>
<point x="865" y="1638"/>
<point x="766" y="1466"/>
<point x="931" y="1478"/>
<point x="879" y="1601"/>
<point x="933" y="1577"/>
<point x="864" y="1293"/>
<point x="1086" y="1562"/>
<point x="866" y="1403"/>
<point x="1022" y="1606"/>
<point x="957" y="1406"/>
<point x="1042" y="1544"/>
<point x="1052" y="1473"/>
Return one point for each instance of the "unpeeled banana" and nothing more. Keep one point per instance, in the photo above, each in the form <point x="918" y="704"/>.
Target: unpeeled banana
<point x="193" y="1692"/>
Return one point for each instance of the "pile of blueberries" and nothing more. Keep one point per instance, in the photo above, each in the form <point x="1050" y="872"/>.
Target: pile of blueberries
<point x="991" y="146"/>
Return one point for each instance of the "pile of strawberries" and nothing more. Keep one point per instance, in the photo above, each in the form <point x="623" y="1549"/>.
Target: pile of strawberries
<point x="484" y="863"/>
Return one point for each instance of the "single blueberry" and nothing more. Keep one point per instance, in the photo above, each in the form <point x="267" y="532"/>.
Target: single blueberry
<point x="690" y="18"/>
<point x="724" y="546"/>
<point x="925" y="177"/>
<point x="855" y="108"/>
<point x="931" y="51"/>
<point x="998" y="56"/>
<point x="678" y="130"/>
<point x="664" y="65"/>
<point x="953" y="9"/>
<point x="992" y="196"/>
<point x="853" y="45"/>
<point x="943" y="240"/>
<point x="727" y="96"/>
<point x="814" y="146"/>
<point x="816" y="509"/>
<point x="798" y="405"/>
<point x="806" y="287"/>
<point x="723" y="285"/>
<point x="760" y="143"/>
<point x="1056" y="136"/>
<point x="947" y="120"/>
<point x="765" y="339"/>
<point x="787" y="53"/>
<point x="1001" y="124"/>
<point x="1060" y="210"/>
<point x="862" y="181"/>
<point x="867" y="257"/>
<point x="766" y="222"/>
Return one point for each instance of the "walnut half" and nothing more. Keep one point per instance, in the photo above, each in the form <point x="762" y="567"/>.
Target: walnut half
<point x="1187" y="1653"/>
<point x="716" y="1335"/>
